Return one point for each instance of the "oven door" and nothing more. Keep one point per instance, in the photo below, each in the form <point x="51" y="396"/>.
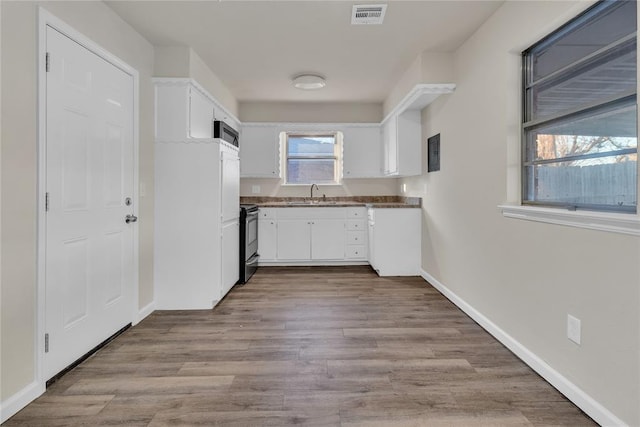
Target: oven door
<point x="251" y="235"/>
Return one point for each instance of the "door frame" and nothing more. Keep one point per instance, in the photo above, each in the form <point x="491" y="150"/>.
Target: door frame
<point x="46" y="19"/>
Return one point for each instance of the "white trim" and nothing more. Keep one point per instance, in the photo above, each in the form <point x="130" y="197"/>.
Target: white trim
<point x="572" y="392"/>
<point x="602" y="221"/>
<point x="13" y="404"/>
<point x="46" y="19"/>
<point x="144" y="312"/>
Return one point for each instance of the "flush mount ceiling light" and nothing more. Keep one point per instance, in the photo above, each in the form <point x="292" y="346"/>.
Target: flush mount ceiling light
<point x="309" y="82"/>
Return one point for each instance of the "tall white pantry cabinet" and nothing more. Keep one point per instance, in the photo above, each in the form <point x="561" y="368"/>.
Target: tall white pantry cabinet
<point x="197" y="193"/>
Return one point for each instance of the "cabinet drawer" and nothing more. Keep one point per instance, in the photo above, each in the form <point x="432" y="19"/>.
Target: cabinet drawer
<point x="267" y="213"/>
<point x="356" y="237"/>
<point x="353" y="213"/>
<point x="356" y="252"/>
<point x="356" y="224"/>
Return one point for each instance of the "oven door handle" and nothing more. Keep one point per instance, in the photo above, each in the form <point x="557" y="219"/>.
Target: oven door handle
<point x="253" y="260"/>
<point x="252" y="214"/>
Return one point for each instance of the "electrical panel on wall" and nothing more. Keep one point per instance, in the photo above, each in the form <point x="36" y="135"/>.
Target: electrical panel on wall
<point x="433" y="150"/>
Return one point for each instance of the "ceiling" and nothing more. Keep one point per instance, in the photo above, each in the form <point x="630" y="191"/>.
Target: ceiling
<point x="256" y="47"/>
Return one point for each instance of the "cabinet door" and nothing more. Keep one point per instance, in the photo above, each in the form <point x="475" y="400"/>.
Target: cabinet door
<point x="230" y="185"/>
<point x="260" y="152"/>
<point x="409" y="149"/>
<point x="390" y="146"/>
<point x="200" y="115"/>
<point x="267" y="239"/>
<point x="362" y="150"/>
<point x="294" y="239"/>
<point x="230" y="256"/>
<point x="327" y="239"/>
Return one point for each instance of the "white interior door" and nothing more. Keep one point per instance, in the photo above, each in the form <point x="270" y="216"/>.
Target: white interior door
<point x="89" y="251"/>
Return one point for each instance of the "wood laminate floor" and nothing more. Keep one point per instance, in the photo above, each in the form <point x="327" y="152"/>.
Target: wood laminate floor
<point x="328" y="346"/>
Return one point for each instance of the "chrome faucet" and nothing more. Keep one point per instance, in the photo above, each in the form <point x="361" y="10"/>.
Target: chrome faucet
<point x="314" y="185"/>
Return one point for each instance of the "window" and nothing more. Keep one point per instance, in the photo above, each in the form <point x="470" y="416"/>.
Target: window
<point x="580" y="146"/>
<point x="312" y="158"/>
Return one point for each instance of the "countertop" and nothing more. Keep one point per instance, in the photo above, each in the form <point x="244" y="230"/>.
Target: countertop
<point x="389" y="202"/>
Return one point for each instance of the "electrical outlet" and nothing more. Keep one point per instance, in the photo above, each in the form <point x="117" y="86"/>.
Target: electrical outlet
<point x="404" y="187"/>
<point x="573" y="329"/>
<point x="255" y="189"/>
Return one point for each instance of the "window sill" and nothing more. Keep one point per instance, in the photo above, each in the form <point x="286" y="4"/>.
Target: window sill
<point x="610" y="222"/>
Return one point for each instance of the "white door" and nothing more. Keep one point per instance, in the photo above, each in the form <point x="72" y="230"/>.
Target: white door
<point x="89" y="175"/>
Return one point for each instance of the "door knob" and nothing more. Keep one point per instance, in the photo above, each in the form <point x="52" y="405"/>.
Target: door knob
<point x="130" y="218"/>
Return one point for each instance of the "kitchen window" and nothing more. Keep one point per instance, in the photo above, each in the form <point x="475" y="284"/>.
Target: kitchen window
<point x="313" y="158"/>
<point x="580" y="146"/>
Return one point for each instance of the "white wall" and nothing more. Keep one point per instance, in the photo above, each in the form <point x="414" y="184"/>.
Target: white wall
<point x="199" y="71"/>
<point x="312" y="112"/>
<point x="183" y="61"/>
<point x="525" y="276"/>
<point x="350" y="187"/>
<point x="171" y="61"/>
<point x="19" y="166"/>
<point x="428" y="67"/>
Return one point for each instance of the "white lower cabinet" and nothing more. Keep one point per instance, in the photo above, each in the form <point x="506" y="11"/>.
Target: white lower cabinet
<point x="230" y="261"/>
<point x="312" y="235"/>
<point x="327" y="239"/>
<point x="394" y="241"/>
<point x="294" y="239"/>
<point x="267" y="239"/>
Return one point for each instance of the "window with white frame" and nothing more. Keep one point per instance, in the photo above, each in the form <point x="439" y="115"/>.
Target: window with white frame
<point x="312" y="158"/>
<point x="580" y="146"/>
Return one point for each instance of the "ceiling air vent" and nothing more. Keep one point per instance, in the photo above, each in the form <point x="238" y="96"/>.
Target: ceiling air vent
<point x="368" y="14"/>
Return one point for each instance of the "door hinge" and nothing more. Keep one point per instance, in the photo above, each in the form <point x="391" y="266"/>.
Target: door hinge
<point x="46" y="343"/>
<point x="46" y="201"/>
<point x="46" y="63"/>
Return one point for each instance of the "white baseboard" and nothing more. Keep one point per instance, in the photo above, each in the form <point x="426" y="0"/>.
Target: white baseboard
<point x="581" y="399"/>
<point x="12" y="405"/>
<point x="144" y="312"/>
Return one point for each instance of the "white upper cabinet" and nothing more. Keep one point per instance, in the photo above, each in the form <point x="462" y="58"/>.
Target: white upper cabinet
<point x="201" y="114"/>
<point x="185" y="110"/>
<point x="362" y="150"/>
<point x="401" y="147"/>
<point x="390" y="146"/>
<point x="260" y="151"/>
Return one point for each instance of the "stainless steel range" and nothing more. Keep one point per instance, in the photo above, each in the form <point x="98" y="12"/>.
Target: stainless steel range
<point x="248" y="242"/>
